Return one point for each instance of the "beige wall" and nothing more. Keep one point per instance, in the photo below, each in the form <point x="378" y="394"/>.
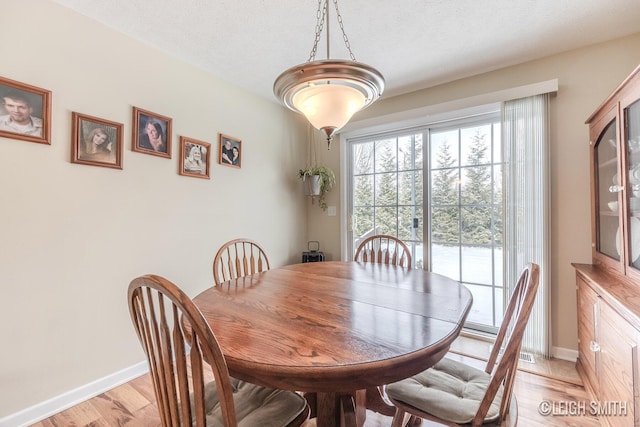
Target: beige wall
<point x="586" y="77"/>
<point x="73" y="236"/>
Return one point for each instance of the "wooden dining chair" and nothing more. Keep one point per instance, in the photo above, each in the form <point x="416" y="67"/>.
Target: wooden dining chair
<point x="238" y="258"/>
<point x="453" y="393"/>
<point x="177" y="357"/>
<point x="384" y="249"/>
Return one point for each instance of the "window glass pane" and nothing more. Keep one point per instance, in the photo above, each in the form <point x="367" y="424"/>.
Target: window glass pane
<point x="363" y="158"/>
<point x="405" y="153"/>
<point x="482" y="308"/>
<point x="419" y="232"/>
<point x="444" y="149"/>
<point x="419" y="152"/>
<point x="475" y="148"/>
<point x="406" y="215"/>
<point x="385" y="157"/>
<point x="407" y="190"/>
<point x="444" y="187"/>
<point x="445" y="225"/>
<point x="497" y="143"/>
<point x="386" y="189"/>
<point x="477" y="265"/>
<point x="363" y="190"/>
<point x="476" y="225"/>
<point x="497" y="184"/>
<point x="446" y="260"/>
<point x="498" y="226"/>
<point x="418" y="255"/>
<point x="362" y="220"/>
<point x="419" y="186"/>
<point x="498" y="266"/>
<point x="476" y="185"/>
<point x="387" y="220"/>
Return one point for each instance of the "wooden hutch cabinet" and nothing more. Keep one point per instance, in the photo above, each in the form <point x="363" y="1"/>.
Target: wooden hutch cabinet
<point x="609" y="288"/>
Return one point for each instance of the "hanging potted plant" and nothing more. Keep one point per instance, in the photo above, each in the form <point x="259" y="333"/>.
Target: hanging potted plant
<point x="317" y="180"/>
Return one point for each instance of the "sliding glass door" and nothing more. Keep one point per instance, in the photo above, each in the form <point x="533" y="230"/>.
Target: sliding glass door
<point x="439" y="189"/>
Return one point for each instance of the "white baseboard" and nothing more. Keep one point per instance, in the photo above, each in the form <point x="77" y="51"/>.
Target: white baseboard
<point x="71" y="398"/>
<point x="564" y="354"/>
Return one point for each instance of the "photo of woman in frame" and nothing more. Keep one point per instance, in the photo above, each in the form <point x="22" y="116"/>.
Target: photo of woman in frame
<point x="96" y="142"/>
<point x="151" y="133"/>
<point x="230" y="151"/>
<point x="194" y="158"/>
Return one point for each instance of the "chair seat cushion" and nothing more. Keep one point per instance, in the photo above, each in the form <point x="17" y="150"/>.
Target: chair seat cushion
<point x="450" y="390"/>
<point x="255" y="405"/>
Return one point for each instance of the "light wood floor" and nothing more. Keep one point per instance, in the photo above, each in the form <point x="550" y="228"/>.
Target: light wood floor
<point x="132" y="404"/>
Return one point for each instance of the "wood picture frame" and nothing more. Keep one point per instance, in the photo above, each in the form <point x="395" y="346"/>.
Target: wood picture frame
<point x="151" y="133"/>
<point x="96" y="141"/>
<point x="25" y="112"/>
<point x="230" y="153"/>
<point x="195" y="158"/>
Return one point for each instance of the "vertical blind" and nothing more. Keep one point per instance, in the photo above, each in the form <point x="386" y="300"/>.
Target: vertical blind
<point x="525" y="136"/>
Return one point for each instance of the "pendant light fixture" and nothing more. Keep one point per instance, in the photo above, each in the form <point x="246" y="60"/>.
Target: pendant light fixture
<point x="329" y="92"/>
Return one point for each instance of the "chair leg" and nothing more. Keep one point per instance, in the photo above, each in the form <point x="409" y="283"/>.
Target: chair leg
<point x="414" y="421"/>
<point x="400" y="418"/>
<point x="312" y="401"/>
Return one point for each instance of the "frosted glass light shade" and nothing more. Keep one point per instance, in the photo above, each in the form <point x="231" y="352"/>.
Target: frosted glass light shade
<point x="328" y="105"/>
<point x="329" y="92"/>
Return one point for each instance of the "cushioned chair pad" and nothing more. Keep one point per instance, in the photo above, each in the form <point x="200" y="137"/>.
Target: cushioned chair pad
<point x="450" y="390"/>
<point x="255" y="405"/>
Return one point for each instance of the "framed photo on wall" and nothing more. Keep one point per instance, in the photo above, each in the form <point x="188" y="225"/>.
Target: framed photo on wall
<point x="151" y="133"/>
<point x="194" y="158"/>
<point x="95" y="141"/>
<point x="25" y="112"/>
<point x="230" y="151"/>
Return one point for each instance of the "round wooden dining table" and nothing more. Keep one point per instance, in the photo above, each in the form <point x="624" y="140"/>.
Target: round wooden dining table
<point x="334" y="329"/>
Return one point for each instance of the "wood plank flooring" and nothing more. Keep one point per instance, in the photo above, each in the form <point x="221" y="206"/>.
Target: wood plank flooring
<point x="133" y="404"/>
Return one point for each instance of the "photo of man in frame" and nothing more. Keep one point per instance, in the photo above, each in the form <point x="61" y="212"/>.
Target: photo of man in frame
<point x="20" y="111"/>
<point x="229" y="151"/>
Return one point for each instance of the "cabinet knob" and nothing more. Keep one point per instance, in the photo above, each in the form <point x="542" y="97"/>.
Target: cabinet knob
<point x="594" y="346"/>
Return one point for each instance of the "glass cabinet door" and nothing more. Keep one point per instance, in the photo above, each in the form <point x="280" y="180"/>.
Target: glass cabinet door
<point x="632" y="143"/>
<point x="608" y="187"/>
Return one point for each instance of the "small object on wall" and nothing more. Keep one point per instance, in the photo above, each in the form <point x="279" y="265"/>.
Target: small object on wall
<point x="25" y="112"/>
<point x="313" y="255"/>
<point x="230" y="151"/>
<point x="151" y="133"/>
<point x="194" y="158"/>
<point x="95" y="141"/>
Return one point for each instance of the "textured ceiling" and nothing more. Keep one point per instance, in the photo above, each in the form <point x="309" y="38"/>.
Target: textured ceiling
<point x="413" y="43"/>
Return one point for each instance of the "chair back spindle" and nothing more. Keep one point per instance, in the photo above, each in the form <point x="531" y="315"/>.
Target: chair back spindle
<point x="239" y="258"/>
<point x="383" y="249"/>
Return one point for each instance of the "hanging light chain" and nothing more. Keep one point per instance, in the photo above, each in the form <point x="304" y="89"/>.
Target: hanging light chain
<point x="344" y="35"/>
<point x="320" y="19"/>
